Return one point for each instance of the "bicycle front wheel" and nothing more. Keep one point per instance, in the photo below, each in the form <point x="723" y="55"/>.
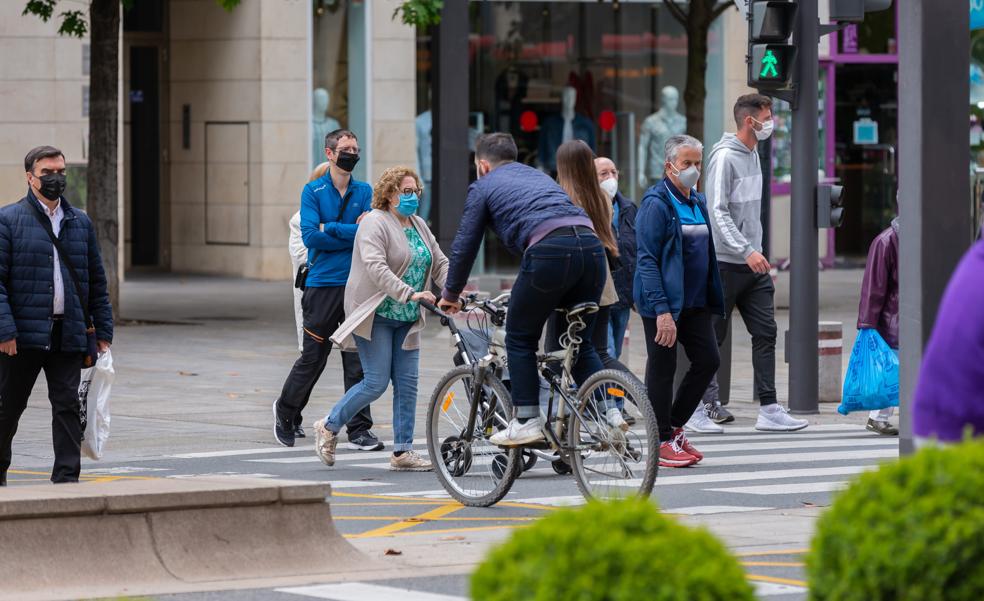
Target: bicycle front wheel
<point x="607" y="462"/>
<point x="475" y="472"/>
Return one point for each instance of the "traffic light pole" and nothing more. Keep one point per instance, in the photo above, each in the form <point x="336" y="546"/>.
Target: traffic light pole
<point x="804" y="308"/>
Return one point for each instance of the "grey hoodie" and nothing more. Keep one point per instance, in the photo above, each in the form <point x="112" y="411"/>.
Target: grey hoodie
<point x="733" y="185"/>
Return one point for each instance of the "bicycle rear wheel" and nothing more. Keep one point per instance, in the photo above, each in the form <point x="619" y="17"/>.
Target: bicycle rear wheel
<point x="476" y="473"/>
<point x="608" y="463"/>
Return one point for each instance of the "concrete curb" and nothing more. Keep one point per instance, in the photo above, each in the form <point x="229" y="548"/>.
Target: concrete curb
<point x="154" y="536"/>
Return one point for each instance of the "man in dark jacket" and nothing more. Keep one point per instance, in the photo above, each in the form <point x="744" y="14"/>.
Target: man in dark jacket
<point x="879" y="307"/>
<point x="563" y="265"/>
<point x="623" y="223"/>
<point x="42" y="321"/>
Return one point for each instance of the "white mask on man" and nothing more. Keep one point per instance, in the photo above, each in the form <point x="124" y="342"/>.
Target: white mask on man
<point x="766" y="131"/>
<point x="610" y="186"/>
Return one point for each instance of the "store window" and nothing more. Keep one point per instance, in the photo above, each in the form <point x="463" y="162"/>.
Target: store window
<point x="338" y="38"/>
<point x="611" y="74"/>
<point x="874" y="35"/>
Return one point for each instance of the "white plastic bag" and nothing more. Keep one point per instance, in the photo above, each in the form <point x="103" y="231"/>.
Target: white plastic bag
<point x="94" y="390"/>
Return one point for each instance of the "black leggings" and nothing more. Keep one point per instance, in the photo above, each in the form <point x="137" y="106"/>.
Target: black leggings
<point x="695" y="333"/>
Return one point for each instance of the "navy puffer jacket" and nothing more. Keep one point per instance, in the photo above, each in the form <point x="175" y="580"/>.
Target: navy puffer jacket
<point x="513" y="199"/>
<point x="27" y="275"/>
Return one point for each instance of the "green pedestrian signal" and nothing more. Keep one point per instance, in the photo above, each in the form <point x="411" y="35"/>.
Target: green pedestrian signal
<point x="771" y="56"/>
<point x="769" y="62"/>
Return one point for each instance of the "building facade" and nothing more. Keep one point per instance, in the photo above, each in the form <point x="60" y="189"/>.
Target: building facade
<point x="219" y="113"/>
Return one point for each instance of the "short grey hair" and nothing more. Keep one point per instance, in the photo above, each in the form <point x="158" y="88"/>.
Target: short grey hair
<point x="675" y="143"/>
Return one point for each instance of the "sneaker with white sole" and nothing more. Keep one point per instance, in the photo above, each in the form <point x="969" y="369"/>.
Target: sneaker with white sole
<point x="410" y="462"/>
<point x="614" y="418"/>
<point x="516" y="433"/>
<point x="775" y="418"/>
<point x="325" y="442"/>
<point x="701" y="423"/>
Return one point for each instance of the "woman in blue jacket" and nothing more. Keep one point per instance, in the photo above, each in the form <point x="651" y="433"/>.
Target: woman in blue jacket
<point x="677" y="288"/>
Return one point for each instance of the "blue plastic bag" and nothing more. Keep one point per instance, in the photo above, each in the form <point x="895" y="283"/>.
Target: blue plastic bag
<point x="872" y="380"/>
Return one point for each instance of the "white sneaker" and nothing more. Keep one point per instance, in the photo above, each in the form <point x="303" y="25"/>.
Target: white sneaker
<point x="699" y="422"/>
<point x="516" y="433"/>
<point x="774" y="418"/>
<point x="614" y="418"/>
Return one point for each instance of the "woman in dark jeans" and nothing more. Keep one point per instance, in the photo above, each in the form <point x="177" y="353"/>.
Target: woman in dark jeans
<point x="577" y="175"/>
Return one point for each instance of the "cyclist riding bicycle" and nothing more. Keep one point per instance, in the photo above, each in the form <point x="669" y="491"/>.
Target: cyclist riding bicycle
<point x="563" y="264"/>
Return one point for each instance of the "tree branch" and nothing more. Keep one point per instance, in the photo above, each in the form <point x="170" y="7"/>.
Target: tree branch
<point x="677" y="12"/>
<point x="717" y="12"/>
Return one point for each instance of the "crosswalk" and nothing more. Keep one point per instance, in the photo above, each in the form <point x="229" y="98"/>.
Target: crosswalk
<point x="743" y="470"/>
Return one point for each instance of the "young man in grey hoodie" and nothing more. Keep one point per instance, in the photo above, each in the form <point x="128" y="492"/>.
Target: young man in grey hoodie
<point x="733" y="186"/>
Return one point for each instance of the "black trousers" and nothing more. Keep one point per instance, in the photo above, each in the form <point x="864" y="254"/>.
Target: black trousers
<point x="18" y="374"/>
<point x="323" y="310"/>
<point x="695" y="333"/>
<point x="754" y="296"/>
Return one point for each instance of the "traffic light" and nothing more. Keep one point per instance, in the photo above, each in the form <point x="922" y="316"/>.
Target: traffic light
<point x="770" y="55"/>
<point x="852" y="11"/>
<point x="830" y="206"/>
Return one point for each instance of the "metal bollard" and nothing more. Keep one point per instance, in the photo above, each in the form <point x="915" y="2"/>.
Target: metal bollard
<point x="830" y="348"/>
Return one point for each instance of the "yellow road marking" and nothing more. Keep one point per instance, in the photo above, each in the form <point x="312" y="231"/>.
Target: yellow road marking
<point x="385" y="504"/>
<point x="425" y="500"/>
<point x="779" y="552"/>
<point x="774" y="564"/>
<point x="389" y="529"/>
<point x="440" y="531"/>
<point x="774" y="580"/>
<point x="388" y="518"/>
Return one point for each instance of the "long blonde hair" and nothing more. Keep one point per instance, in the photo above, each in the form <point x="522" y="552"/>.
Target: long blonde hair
<point x="576" y="174"/>
<point x="319" y="171"/>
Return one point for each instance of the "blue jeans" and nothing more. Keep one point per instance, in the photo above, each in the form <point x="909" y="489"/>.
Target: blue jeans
<point x="556" y="272"/>
<point x="617" y="324"/>
<point x="383" y="360"/>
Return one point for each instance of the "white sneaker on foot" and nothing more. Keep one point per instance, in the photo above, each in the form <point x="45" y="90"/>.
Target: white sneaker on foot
<point x="700" y="422"/>
<point x="614" y="418"/>
<point x="775" y="418"/>
<point x="410" y="462"/>
<point x="516" y="433"/>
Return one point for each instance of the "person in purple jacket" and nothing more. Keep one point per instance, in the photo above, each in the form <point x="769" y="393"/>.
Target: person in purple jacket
<point x="879" y="307"/>
<point x="949" y="396"/>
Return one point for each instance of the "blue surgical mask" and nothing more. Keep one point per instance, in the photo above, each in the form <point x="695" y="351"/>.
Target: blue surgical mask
<point x="408" y="204"/>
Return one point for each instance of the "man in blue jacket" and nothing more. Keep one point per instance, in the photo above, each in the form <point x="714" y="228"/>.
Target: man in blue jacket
<point x="563" y="265"/>
<point x="336" y="201"/>
<point x="677" y="290"/>
<point x="42" y="321"/>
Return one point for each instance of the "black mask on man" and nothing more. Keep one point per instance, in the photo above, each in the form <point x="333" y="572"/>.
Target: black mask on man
<point x="346" y="161"/>
<point x="52" y="185"/>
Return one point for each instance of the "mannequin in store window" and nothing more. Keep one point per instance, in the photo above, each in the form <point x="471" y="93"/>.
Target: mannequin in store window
<point x="321" y="125"/>
<point x="425" y="126"/>
<point x="563" y="127"/>
<point x="656" y="130"/>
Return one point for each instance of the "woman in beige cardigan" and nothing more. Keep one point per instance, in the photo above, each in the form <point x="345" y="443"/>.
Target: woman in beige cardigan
<point x="395" y="260"/>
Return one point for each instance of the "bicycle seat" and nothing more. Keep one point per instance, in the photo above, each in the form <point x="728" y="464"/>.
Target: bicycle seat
<point x="580" y="309"/>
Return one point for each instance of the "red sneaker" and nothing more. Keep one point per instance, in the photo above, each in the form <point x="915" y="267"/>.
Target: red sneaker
<point x="671" y="455"/>
<point x="680" y="437"/>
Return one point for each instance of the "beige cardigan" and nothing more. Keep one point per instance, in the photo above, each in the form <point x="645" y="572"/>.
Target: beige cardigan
<point x="379" y="259"/>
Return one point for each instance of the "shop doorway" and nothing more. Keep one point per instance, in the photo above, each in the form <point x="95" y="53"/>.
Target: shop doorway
<point x="866" y="135"/>
<point x="145" y="153"/>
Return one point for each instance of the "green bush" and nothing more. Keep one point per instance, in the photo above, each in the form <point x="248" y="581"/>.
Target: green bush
<point x="621" y="551"/>
<point x="913" y="529"/>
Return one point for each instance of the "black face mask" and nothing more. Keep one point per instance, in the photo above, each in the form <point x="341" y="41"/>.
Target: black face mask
<point x="346" y="161"/>
<point x="52" y="185"/>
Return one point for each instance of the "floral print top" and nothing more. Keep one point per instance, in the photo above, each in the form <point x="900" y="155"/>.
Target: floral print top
<point x="415" y="277"/>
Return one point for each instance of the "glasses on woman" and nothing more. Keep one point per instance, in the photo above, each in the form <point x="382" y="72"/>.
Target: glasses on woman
<point x="416" y="191"/>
